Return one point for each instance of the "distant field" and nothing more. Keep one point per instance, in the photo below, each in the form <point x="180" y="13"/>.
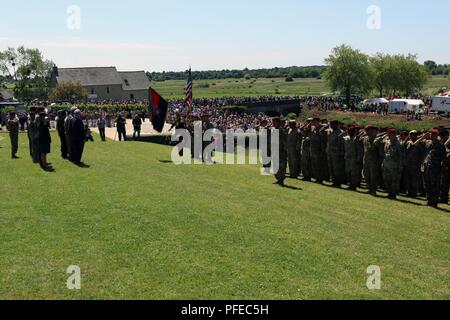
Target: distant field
<point x="173" y="89"/>
<point x="240" y="87"/>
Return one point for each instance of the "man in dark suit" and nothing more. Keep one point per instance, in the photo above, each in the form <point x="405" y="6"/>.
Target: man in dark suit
<point x="121" y="127"/>
<point x="78" y="136"/>
<point x="62" y="134"/>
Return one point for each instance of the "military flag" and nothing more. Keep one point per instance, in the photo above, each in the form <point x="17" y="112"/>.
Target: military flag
<point x="159" y="108"/>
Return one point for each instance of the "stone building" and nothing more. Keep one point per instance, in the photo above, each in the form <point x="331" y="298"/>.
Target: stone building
<point x="106" y="83"/>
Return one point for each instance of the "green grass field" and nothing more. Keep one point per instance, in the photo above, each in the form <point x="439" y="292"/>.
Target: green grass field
<point x="140" y="227"/>
<point x="258" y="87"/>
<point x="241" y="87"/>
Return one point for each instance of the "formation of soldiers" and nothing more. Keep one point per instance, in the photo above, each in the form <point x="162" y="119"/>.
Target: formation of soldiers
<point x="411" y="163"/>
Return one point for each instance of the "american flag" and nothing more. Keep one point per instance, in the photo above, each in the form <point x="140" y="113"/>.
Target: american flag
<point x="188" y="99"/>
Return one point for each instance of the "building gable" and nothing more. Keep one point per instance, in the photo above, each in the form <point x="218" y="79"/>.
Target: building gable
<point x="134" y="80"/>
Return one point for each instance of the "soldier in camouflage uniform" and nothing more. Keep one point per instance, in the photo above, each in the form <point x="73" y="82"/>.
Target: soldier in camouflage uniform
<point x="360" y="160"/>
<point x="13" y="127"/>
<point x="324" y="155"/>
<point x="268" y="152"/>
<point x="432" y="166"/>
<point x="306" y="154"/>
<point x="413" y="162"/>
<point x="380" y="145"/>
<point x="445" y="179"/>
<point x="393" y="163"/>
<point x="281" y="174"/>
<point x="316" y="152"/>
<point x="293" y="138"/>
<point x="404" y="139"/>
<point x="371" y="162"/>
<point x="353" y="156"/>
<point x="336" y="153"/>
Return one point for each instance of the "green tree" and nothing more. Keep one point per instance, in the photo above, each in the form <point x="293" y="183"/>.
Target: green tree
<point x="430" y="65"/>
<point x="29" y="69"/>
<point x="348" y="71"/>
<point x="68" y="91"/>
<point x="412" y="75"/>
<point x="384" y="72"/>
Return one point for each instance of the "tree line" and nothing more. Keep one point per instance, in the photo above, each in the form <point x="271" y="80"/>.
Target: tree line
<point x="437" y="69"/>
<point x="288" y="72"/>
<point x="350" y="71"/>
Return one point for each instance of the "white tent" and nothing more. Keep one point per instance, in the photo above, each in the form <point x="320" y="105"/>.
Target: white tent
<point x="376" y="101"/>
<point x="402" y="105"/>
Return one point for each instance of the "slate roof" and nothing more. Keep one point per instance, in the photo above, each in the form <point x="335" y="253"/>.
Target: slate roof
<point x="97" y="76"/>
<point x="104" y="76"/>
<point x="134" y="80"/>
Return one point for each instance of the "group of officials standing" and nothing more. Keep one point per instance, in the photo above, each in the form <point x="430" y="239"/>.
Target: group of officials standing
<point x="413" y="163"/>
<point x="72" y="134"/>
<point x="38" y="135"/>
<point x="70" y="128"/>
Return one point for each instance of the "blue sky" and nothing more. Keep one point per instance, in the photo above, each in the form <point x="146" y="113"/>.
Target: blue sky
<point x="171" y="34"/>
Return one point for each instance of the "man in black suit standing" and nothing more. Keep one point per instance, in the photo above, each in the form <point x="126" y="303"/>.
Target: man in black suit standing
<point x="121" y="123"/>
<point x="78" y="136"/>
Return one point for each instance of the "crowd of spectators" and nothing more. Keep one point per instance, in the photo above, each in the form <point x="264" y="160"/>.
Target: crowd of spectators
<point x="217" y="109"/>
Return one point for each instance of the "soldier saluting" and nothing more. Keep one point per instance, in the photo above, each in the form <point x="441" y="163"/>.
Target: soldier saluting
<point x="393" y="163"/>
<point x="432" y="165"/>
<point x="281" y="173"/>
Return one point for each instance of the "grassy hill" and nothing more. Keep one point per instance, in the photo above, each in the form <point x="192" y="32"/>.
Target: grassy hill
<point x="141" y="227"/>
<point x="256" y="87"/>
